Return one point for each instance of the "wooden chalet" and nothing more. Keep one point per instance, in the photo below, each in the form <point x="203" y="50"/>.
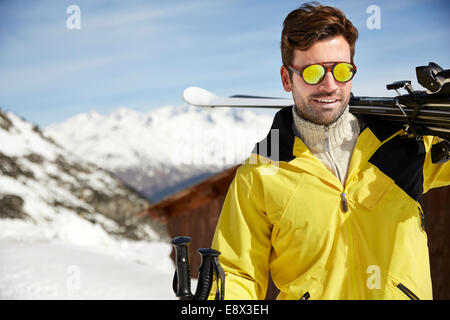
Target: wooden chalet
<point x="195" y="211"/>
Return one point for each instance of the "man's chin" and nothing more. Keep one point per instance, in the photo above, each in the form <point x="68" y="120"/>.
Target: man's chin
<point x="322" y="114"/>
<point x="327" y="116"/>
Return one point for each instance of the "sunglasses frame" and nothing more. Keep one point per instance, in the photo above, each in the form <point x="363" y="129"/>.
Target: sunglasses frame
<point x="299" y="71"/>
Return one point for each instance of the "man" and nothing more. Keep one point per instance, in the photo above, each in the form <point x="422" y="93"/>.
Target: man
<point x="335" y="213"/>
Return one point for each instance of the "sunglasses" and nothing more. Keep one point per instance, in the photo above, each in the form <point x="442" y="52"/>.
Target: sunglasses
<point x="315" y="73"/>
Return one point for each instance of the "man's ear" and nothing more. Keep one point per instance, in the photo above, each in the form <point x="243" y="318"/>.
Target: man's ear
<point x="285" y="79"/>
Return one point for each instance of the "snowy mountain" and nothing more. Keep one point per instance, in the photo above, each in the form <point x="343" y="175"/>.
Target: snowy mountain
<point x="42" y="183"/>
<point x="68" y="229"/>
<point x="165" y="150"/>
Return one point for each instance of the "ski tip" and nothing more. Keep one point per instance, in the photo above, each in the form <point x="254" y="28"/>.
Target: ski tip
<point x="197" y="96"/>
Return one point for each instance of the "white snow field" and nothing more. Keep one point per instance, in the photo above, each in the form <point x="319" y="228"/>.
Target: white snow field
<point x="80" y="261"/>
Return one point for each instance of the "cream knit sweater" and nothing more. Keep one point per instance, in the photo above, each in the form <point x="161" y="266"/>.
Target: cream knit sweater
<point x="332" y="144"/>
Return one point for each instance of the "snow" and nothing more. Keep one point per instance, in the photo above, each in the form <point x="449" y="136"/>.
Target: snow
<point x="59" y="253"/>
<point x="162" y="137"/>
<point x="23" y="140"/>
<point x="56" y="252"/>
<point x="158" y="152"/>
<point x="52" y="270"/>
<point x="41" y="256"/>
<point x="74" y="259"/>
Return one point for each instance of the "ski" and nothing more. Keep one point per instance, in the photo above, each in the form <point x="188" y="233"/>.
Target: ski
<point x="431" y="120"/>
<point x="203" y="98"/>
<point x="359" y="105"/>
<point x="420" y="112"/>
<point x="380" y="106"/>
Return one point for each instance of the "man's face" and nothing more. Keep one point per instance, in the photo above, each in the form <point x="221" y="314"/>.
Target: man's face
<point x="309" y="98"/>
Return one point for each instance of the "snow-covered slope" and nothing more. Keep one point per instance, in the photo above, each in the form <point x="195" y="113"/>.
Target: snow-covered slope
<point x="68" y="229"/>
<point x="166" y="149"/>
<point x="61" y="270"/>
<point x="42" y="182"/>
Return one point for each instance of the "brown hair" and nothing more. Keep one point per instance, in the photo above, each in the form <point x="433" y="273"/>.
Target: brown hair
<point x="310" y="23"/>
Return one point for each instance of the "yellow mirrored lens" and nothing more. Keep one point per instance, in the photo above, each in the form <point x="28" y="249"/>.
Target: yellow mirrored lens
<point x="343" y="72"/>
<point x="313" y="74"/>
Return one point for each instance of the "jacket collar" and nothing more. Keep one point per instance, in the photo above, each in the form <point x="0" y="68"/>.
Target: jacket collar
<point x="283" y="137"/>
<point x="281" y="144"/>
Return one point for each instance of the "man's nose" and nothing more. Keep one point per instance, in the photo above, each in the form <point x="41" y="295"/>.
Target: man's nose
<point x="328" y="83"/>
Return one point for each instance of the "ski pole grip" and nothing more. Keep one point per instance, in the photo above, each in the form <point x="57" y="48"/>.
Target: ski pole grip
<point x="205" y="271"/>
<point x="182" y="277"/>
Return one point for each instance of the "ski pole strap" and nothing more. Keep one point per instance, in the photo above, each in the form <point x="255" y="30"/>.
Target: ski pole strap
<point x="408" y="120"/>
<point x="208" y="268"/>
<point x="219" y="274"/>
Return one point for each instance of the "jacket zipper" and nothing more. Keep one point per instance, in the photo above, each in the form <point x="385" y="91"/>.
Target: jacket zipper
<point x="407" y="292"/>
<point x="344" y="202"/>
<point x="306" y="296"/>
<point x="328" y="151"/>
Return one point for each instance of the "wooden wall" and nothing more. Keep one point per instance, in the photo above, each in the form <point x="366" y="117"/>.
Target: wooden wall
<point x="436" y="207"/>
<point x="199" y="224"/>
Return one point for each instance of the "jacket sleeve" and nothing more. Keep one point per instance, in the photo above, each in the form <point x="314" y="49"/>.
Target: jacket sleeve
<point x="434" y="175"/>
<point x="243" y="236"/>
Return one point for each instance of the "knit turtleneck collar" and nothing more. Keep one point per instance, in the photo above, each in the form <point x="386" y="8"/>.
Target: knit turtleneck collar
<point x="320" y="138"/>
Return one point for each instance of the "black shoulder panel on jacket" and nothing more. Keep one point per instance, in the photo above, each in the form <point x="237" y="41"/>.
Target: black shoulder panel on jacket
<point x="279" y="143"/>
<point x="402" y="159"/>
<point x="380" y="129"/>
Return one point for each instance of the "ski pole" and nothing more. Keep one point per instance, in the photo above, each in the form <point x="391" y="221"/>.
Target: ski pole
<point x="182" y="278"/>
<point x="208" y="268"/>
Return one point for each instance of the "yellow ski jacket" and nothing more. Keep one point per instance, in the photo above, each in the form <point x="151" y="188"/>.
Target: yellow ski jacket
<point x="287" y="214"/>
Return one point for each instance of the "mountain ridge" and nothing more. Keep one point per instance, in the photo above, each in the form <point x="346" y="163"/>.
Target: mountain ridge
<point x="164" y="150"/>
<point x="42" y="183"/>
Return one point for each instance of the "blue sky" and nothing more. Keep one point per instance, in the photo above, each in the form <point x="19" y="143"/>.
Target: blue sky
<point x="142" y="54"/>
